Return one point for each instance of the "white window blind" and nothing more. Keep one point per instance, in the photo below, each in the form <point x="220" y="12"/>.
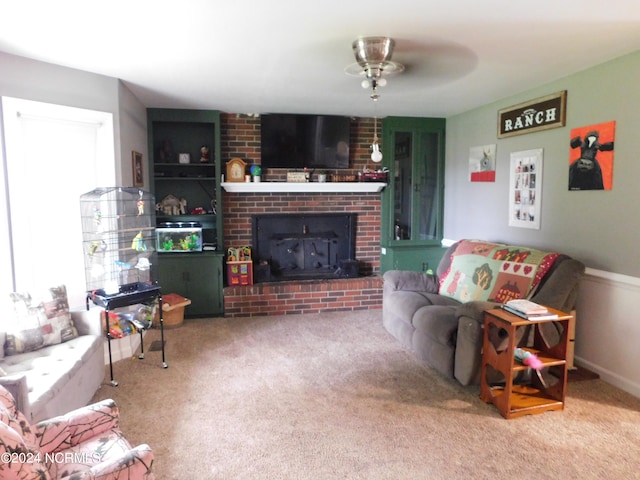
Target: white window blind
<point x="54" y="154"/>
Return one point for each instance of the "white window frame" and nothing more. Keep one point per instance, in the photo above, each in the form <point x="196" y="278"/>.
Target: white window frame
<point x="74" y="174"/>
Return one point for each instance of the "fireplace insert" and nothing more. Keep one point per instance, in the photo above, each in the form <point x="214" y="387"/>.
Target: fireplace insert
<point x="303" y="246"/>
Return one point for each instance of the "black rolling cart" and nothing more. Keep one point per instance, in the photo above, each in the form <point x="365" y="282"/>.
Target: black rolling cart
<point x="131" y="294"/>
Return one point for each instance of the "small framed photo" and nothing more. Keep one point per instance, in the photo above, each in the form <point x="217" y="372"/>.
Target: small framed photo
<point x="138" y="173"/>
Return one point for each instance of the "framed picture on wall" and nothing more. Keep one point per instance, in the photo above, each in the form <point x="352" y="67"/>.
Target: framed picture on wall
<point x="482" y="163"/>
<point x="525" y="189"/>
<point x="138" y="173"/>
<point x="591" y="157"/>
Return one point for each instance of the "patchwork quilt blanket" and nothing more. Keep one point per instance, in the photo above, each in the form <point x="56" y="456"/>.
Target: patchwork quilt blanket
<point x="494" y="272"/>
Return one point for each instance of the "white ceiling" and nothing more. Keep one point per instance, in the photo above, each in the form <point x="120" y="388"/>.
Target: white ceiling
<point x="260" y="56"/>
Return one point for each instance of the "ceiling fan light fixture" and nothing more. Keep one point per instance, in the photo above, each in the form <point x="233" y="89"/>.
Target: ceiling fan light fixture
<point x="370" y="51"/>
<point x="373" y="60"/>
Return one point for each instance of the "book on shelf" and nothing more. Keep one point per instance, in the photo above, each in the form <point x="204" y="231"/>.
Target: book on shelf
<point x="529" y="310"/>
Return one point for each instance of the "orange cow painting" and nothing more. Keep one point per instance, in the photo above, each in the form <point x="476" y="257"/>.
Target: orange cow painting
<point x="591" y="157"/>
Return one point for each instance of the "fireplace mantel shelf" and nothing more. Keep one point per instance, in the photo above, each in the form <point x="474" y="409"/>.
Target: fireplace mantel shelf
<point x="310" y="187"/>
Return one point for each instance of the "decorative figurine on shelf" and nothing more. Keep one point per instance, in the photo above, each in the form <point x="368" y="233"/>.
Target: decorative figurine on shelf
<point x="204" y="154"/>
<point x="256" y="171"/>
<point x="171" y="205"/>
<point x="166" y="152"/>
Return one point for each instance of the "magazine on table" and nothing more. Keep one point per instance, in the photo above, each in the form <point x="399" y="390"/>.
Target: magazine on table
<point x="529" y="310"/>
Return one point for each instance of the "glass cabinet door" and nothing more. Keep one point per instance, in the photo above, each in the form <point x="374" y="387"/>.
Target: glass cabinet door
<point x="412" y="209"/>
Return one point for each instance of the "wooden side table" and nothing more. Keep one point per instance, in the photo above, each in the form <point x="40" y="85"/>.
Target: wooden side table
<point x="537" y="395"/>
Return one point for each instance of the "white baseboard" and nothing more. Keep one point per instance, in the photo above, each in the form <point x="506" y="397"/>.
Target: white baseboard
<point x="610" y="377"/>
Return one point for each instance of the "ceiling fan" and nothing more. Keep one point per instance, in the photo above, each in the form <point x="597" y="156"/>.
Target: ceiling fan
<point x="373" y="60"/>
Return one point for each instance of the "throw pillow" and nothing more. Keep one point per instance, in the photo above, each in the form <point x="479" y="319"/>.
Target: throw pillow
<point x="23" y="332"/>
<point x="60" y="327"/>
<point x="495" y="272"/>
<point x="36" y="323"/>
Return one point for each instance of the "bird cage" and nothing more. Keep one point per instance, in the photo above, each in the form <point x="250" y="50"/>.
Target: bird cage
<point x="118" y="238"/>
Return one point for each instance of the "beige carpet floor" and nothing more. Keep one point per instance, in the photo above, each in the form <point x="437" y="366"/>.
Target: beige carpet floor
<point x="333" y="396"/>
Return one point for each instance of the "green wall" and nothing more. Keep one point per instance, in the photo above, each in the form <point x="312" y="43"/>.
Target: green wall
<point x="601" y="228"/>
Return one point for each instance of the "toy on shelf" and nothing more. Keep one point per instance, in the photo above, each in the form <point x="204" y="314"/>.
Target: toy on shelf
<point x="239" y="254"/>
<point x="172" y="205"/>
<point x="204" y="154"/>
<point x="527" y="358"/>
<point x="239" y="266"/>
<point x="532" y="361"/>
<point x="119" y="325"/>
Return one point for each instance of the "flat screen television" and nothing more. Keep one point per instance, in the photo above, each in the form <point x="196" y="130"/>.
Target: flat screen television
<point x="299" y="141"/>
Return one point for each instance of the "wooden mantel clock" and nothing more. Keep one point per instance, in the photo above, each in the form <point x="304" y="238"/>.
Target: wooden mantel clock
<point x="235" y="170"/>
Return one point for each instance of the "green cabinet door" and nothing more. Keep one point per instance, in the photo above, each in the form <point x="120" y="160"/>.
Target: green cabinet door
<point x="419" y="259"/>
<point x="196" y="276"/>
<point x="412" y="202"/>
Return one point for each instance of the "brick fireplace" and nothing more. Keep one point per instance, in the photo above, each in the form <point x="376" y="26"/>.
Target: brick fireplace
<point x="241" y="138"/>
<point x="302" y="246"/>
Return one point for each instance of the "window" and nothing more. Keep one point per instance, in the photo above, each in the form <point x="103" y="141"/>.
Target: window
<point x="53" y="154"/>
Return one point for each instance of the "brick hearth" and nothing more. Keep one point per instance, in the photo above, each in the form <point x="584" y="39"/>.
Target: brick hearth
<point x="309" y="296"/>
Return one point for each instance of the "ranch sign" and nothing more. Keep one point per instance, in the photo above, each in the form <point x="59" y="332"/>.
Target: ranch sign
<point x="532" y="116"/>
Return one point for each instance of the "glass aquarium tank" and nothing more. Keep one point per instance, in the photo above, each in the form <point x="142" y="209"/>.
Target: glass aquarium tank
<point x="119" y="239"/>
<point x="179" y="237"/>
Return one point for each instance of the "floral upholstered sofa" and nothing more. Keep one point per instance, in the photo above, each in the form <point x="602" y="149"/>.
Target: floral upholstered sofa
<point x="51" y="359"/>
<point x="440" y="317"/>
<point x="84" y="444"/>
